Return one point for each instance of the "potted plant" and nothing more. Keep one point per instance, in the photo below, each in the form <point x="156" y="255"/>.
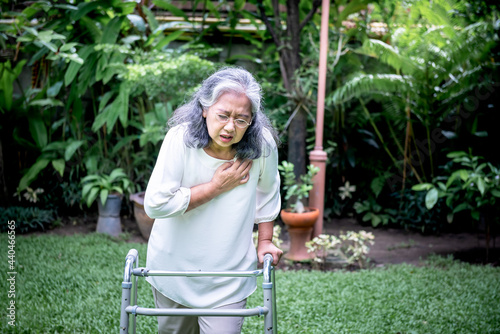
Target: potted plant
<point x="109" y="190"/>
<point x="298" y="216"/>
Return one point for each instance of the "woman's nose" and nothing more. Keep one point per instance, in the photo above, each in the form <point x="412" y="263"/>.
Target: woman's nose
<point x="229" y="126"/>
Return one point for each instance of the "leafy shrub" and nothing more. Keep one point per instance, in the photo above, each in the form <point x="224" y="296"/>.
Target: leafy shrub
<point x="373" y="212"/>
<point x="27" y="218"/>
<point x="414" y="215"/>
<point x="352" y="247"/>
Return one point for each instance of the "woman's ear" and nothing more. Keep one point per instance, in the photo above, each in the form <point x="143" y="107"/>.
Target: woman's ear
<point x="204" y="113"/>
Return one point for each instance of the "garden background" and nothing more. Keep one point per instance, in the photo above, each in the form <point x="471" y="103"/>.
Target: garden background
<point x="86" y="87"/>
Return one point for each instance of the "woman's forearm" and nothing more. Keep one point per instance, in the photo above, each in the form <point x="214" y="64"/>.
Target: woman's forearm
<point x="265" y="232"/>
<point x="202" y="194"/>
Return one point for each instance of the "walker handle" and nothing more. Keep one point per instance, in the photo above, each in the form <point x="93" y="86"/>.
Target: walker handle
<point x="268" y="257"/>
<point x="268" y="260"/>
<point x="133" y="252"/>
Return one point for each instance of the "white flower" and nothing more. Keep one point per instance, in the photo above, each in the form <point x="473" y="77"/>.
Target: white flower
<point x="346" y="190"/>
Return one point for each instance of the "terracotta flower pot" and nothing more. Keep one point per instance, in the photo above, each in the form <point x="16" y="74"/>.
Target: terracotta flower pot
<point x="144" y="222"/>
<point x="300" y="227"/>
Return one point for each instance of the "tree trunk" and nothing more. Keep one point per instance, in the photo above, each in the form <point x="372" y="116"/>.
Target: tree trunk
<point x="290" y="56"/>
<point x="297" y="132"/>
<point x="288" y="43"/>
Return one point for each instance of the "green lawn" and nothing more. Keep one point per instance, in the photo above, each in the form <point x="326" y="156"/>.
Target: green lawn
<point x="73" y="285"/>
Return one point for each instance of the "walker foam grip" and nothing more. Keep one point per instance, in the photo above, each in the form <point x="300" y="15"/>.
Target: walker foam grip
<point x="133" y="252"/>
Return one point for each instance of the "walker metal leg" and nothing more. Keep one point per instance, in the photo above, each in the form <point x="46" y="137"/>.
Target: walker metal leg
<point x="275" y="301"/>
<point x="267" y="287"/>
<point x="130" y="259"/>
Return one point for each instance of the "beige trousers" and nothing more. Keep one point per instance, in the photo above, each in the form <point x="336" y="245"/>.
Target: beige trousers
<point x="196" y="325"/>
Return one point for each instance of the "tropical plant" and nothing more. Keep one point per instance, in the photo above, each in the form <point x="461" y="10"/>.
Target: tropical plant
<point x="102" y="185"/>
<point x="297" y="192"/>
<point x="102" y="90"/>
<point x="473" y="186"/>
<point x="428" y="69"/>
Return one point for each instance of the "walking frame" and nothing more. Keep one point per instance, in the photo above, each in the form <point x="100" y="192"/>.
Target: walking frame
<point x="129" y="292"/>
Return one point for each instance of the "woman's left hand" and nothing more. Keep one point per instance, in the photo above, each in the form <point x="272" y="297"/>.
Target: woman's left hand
<point x="264" y="247"/>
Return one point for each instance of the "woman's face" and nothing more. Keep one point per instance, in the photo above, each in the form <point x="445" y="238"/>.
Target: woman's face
<point x="235" y="106"/>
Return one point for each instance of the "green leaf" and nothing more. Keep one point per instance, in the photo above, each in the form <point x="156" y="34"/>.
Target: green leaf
<point x="460" y="207"/>
<point x="153" y="23"/>
<point x="51" y="46"/>
<point x="46" y="102"/>
<point x="38" y="131"/>
<point x="74" y="67"/>
<point x="91" y="27"/>
<point x="84" y="8"/>
<point x="59" y="165"/>
<point x="456" y="154"/>
<point x="363" y="84"/>
<point x="71" y="149"/>
<point x="86" y="189"/>
<point x="102" y="63"/>
<point x="166" y="40"/>
<point x="123" y="106"/>
<point x="32" y="173"/>
<point x="92" y="196"/>
<point x="422" y="186"/>
<point x="164" y="4"/>
<point x="462" y="174"/>
<point x="104" y="196"/>
<point x="67" y="46"/>
<point x="54" y="89"/>
<point x="111" y="30"/>
<point x="116" y="173"/>
<point x="480" y="186"/>
<point x="137" y="22"/>
<point x="387" y="54"/>
<point x="239" y="4"/>
<point x="431" y="198"/>
<point x="7" y="78"/>
<point x="32" y="31"/>
<point x="352" y="7"/>
<point x="495" y="192"/>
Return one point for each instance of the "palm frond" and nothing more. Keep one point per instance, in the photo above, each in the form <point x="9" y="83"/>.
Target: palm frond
<point x="388" y="55"/>
<point x="364" y="84"/>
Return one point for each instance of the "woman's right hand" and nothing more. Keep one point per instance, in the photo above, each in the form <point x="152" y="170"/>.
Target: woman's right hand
<point x="228" y="176"/>
<point x="232" y="174"/>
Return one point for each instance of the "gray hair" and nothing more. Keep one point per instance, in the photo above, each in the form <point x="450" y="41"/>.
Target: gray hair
<point x="227" y="79"/>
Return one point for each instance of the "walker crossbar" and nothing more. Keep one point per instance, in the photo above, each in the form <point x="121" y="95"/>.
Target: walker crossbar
<point x="256" y="311"/>
<point x="129" y="290"/>
<point x="143" y="272"/>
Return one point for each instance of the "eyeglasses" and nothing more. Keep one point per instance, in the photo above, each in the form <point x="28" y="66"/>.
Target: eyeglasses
<point x="240" y="123"/>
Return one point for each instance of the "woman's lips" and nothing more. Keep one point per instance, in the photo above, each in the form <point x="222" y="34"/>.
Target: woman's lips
<point x="226" y="138"/>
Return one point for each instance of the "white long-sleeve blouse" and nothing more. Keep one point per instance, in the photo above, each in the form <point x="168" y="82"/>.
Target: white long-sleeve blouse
<point x="214" y="236"/>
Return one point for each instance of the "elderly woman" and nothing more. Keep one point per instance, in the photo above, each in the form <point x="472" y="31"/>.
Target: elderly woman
<point x="215" y="177"/>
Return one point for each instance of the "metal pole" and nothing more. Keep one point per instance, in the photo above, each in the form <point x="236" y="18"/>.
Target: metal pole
<point x="126" y="290"/>
<point x="318" y="156"/>
<point x="267" y="287"/>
